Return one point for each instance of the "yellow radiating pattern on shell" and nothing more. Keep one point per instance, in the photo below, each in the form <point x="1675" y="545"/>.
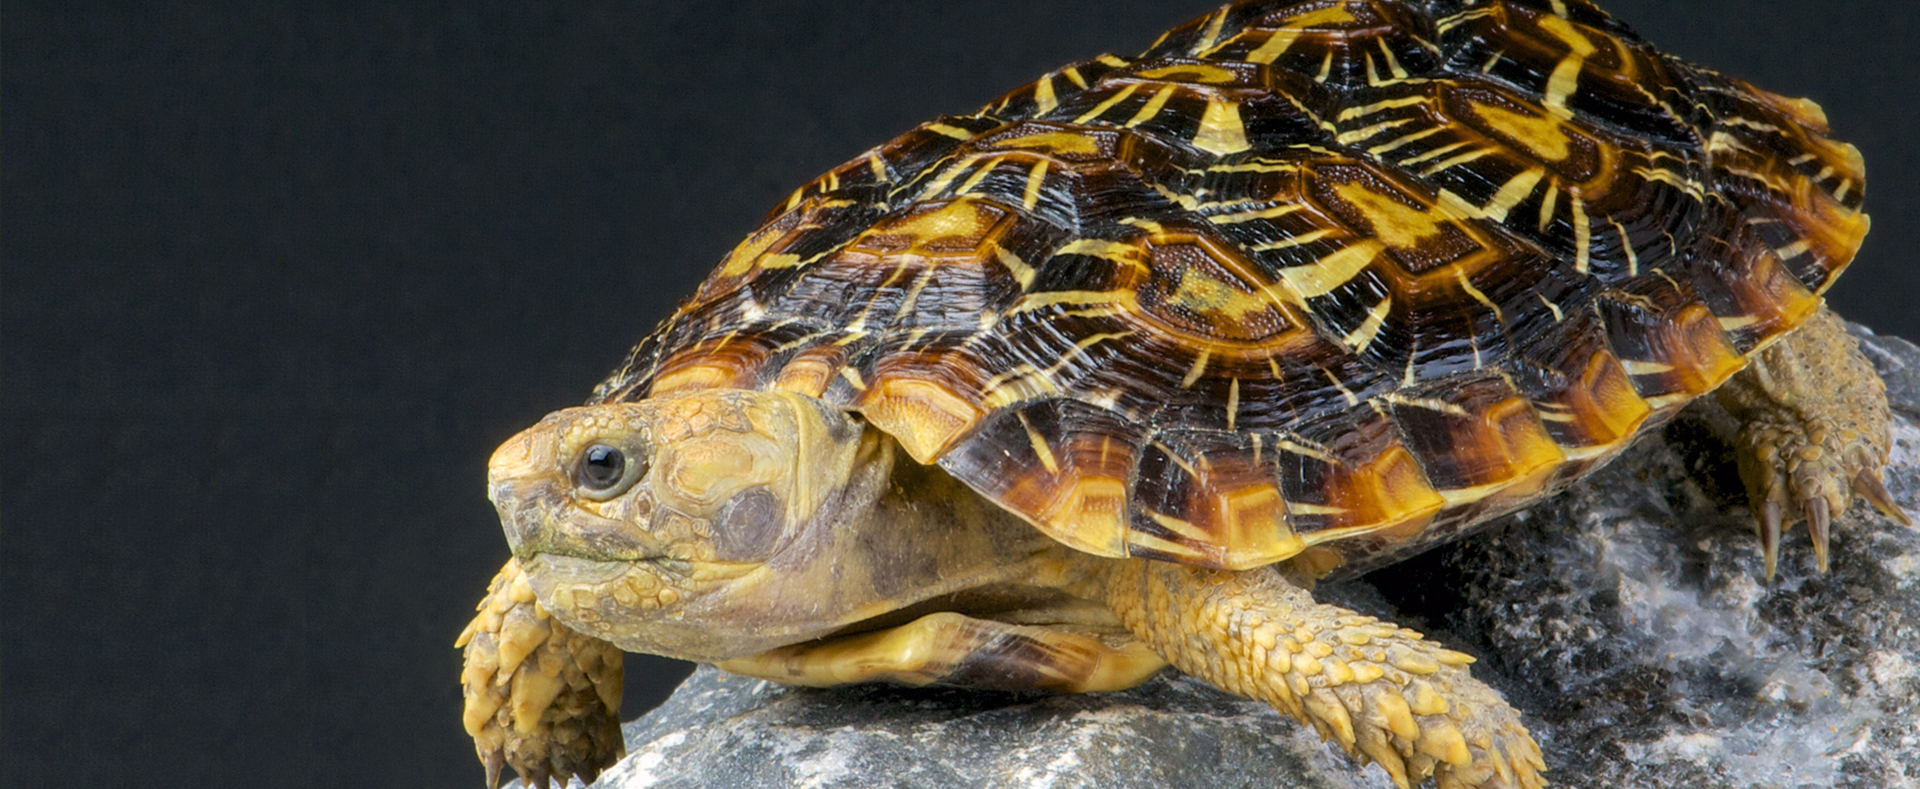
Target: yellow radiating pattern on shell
<point x="1546" y="137"/>
<point x="1062" y="142"/>
<point x="1394" y="222"/>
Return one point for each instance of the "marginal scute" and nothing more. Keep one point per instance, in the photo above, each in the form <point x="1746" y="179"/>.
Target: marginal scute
<point x="1062" y="464"/>
<point x="1603" y="405"/>
<point x="923" y="416"/>
<point x="1752" y="293"/>
<point x="1254" y="527"/>
<point x="1833" y="233"/>
<point x="1328" y="280"/>
<point x="1798" y="190"/>
<point x="1089" y="513"/>
<point x="693" y="376"/>
<point x="1714" y="359"/>
<point x="1207" y="498"/>
<point x="1474" y="434"/>
<point x="1350" y="473"/>
<point x="809" y="374"/>
<point x="1673" y="351"/>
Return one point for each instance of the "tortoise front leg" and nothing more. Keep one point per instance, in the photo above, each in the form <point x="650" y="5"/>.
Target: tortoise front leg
<point x="1813" y="432"/>
<point x="961" y="651"/>
<point x="540" y="697"/>
<point x="1379" y="690"/>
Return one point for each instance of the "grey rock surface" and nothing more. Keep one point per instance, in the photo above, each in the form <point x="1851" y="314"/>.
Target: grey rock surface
<point x="720" y="730"/>
<point x="1627" y="618"/>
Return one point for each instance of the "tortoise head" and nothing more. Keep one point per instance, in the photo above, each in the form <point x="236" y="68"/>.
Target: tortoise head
<point x="700" y="525"/>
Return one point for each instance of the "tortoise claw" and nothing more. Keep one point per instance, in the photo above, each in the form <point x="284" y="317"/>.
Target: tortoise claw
<point x="493" y="761"/>
<point x="1770" y="518"/>
<point x="1818" y="523"/>
<point x="1868" y="485"/>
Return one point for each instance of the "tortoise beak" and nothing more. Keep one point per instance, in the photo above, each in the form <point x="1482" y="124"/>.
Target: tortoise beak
<point x="523" y="484"/>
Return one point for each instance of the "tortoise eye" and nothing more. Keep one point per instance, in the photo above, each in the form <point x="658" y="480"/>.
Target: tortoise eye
<point x="605" y="472"/>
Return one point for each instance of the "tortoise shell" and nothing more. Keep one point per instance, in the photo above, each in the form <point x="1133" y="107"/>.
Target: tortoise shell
<point x="1331" y="280"/>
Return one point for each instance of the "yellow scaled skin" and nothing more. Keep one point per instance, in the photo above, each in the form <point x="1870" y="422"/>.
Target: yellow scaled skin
<point x="780" y="538"/>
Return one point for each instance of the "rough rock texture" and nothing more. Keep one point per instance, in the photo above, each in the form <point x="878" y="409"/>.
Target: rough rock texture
<point x="724" y="731"/>
<point x="1627" y="619"/>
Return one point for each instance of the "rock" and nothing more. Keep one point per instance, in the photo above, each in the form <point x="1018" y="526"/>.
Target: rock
<point x="719" y="730"/>
<point x="1627" y="618"/>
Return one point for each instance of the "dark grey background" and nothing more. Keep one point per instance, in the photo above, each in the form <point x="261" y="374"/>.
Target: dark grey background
<point x="278" y="277"/>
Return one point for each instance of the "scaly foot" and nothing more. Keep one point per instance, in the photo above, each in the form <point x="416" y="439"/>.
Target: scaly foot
<point x="541" y="698"/>
<point x="1808" y="470"/>
<point x="1382" y="692"/>
<point x="1814" y="435"/>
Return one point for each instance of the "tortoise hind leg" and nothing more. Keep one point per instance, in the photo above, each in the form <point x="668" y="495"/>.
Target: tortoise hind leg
<point x="1380" y="691"/>
<point x="1813" y="432"/>
<point x="956" y="650"/>
<point x="540" y="697"/>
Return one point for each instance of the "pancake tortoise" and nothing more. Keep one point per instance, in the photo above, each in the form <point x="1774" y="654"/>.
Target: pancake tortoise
<point x="1104" y="376"/>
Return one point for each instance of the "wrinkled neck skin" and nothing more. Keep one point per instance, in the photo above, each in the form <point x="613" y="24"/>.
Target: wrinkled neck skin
<point x="765" y="519"/>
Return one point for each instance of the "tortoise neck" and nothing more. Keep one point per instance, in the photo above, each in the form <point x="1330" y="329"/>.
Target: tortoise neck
<point x="949" y="533"/>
